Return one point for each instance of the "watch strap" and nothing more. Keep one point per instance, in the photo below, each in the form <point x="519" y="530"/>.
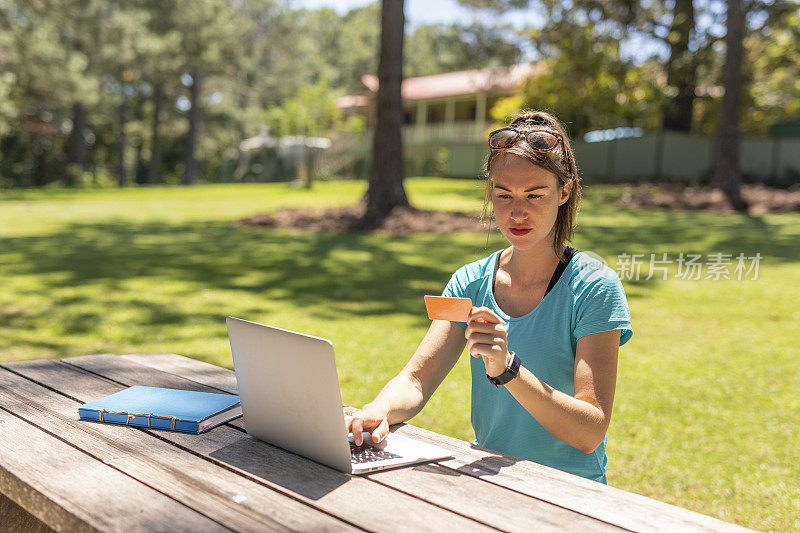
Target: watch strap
<point x="512" y="370"/>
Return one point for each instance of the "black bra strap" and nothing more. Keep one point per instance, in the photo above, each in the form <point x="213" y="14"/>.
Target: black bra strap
<point x="569" y="252"/>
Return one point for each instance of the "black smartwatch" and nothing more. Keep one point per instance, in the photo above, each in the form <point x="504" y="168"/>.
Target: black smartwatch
<point x="511" y="372"/>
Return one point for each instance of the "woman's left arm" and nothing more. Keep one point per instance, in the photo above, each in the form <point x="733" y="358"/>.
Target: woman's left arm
<point x="580" y="420"/>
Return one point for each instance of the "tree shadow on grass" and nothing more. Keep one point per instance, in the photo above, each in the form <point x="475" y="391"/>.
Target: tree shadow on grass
<point x="661" y="230"/>
<point x="343" y="267"/>
<point x="350" y="275"/>
<point x="382" y="274"/>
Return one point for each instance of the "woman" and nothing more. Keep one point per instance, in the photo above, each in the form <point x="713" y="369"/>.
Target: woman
<point x="546" y="324"/>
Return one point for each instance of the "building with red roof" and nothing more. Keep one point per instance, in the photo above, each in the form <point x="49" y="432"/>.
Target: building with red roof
<point x="463" y="97"/>
<point x="445" y="115"/>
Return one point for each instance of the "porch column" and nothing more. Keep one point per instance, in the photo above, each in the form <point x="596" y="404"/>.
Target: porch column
<point x="421" y="119"/>
<point x="450" y="115"/>
<point x="422" y="113"/>
<point x="480" y="114"/>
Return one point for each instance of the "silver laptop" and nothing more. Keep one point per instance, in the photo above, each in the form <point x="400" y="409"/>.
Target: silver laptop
<point x="290" y="397"/>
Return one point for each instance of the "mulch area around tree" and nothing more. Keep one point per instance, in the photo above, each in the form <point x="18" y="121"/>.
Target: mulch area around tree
<point x="408" y="220"/>
<point x="401" y="221"/>
<point x="761" y="199"/>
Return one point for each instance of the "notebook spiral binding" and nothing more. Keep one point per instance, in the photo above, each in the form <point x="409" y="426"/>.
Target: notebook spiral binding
<point x="130" y="416"/>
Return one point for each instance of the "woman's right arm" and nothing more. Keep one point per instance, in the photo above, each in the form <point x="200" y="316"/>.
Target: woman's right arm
<point x="407" y="393"/>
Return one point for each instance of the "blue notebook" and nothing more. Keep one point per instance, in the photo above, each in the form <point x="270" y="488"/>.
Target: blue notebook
<point x="173" y="409"/>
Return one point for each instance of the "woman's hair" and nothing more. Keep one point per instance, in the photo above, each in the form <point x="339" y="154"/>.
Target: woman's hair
<point x="552" y="161"/>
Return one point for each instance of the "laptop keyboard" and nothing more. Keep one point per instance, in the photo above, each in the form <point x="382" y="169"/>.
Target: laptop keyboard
<point x="366" y="454"/>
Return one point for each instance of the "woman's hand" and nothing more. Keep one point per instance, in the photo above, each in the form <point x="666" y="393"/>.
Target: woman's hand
<point x="370" y="418"/>
<point x="487" y="337"/>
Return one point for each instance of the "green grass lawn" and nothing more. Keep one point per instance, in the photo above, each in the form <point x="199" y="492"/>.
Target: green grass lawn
<point x="707" y="398"/>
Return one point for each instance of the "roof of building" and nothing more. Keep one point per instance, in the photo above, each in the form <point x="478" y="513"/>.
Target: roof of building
<point x="495" y="80"/>
<point x="352" y="100"/>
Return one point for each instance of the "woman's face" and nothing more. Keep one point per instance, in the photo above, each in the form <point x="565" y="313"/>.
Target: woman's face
<point x="526" y="199"/>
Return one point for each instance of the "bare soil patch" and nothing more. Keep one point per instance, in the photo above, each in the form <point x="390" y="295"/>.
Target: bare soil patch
<point x="408" y="220"/>
<point x="401" y="221"/>
<point x="762" y="200"/>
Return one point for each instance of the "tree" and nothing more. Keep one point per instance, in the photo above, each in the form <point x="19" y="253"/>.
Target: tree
<point x="583" y="78"/>
<point x="210" y="45"/>
<point x="81" y="79"/>
<point x="681" y="69"/>
<point x="437" y="48"/>
<point x="774" y="59"/>
<point x="782" y="20"/>
<point x="341" y="48"/>
<point x="385" y="190"/>
<point x="727" y="172"/>
<point x="125" y="34"/>
<point x="673" y="24"/>
<point x="312" y="113"/>
<point x="42" y="74"/>
<point x="159" y="62"/>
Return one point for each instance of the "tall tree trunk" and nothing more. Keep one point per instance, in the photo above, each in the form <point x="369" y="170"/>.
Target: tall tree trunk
<point x="139" y="173"/>
<point x="190" y="164"/>
<point x="139" y="168"/>
<point x="40" y="167"/>
<point x="154" y="170"/>
<point x="122" y="175"/>
<point x="681" y="69"/>
<point x="727" y="172"/>
<point x="386" y="191"/>
<point x="244" y="102"/>
<point x="76" y="153"/>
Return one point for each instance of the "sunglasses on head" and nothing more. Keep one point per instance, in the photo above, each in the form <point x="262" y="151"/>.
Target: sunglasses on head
<point x="539" y="140"/>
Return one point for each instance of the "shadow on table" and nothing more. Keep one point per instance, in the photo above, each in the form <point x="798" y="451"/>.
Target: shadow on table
<point x="489" y="465"/>
<point x="279" y="467"/>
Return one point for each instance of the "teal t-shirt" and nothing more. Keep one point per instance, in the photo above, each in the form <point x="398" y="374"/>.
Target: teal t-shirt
<point x="588" y="298"/>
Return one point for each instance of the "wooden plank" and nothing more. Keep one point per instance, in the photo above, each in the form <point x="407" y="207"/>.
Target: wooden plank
<point x="608" y="504"/>
<point x="210" y="375"/>
<point x="450" y="489"/>
<point x="354" y="499"/>
<point x="626" y="509"/>
<point x="493" y="504"/>
<point x="224" y="496"/>
<point x="70" y="491"/>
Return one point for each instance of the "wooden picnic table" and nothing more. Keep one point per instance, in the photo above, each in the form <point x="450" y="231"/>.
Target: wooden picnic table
<point x="59" y="472"/>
